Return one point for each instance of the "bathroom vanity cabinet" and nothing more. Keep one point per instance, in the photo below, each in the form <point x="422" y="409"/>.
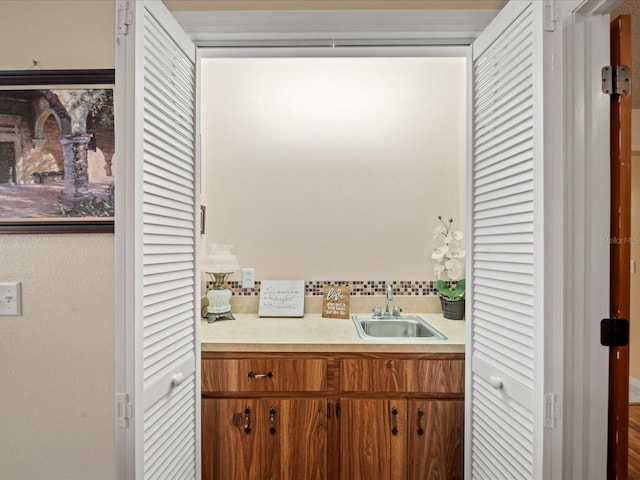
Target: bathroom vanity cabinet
<point x="332" y="416"/>
<point x="264" y="417"/>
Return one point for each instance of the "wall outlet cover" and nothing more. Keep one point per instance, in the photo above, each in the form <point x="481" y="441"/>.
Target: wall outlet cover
<point x="248" y="278"/>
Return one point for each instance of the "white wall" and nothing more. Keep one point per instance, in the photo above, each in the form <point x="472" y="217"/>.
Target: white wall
<point x="333" y="168"/>
<point x="56" y="400"/>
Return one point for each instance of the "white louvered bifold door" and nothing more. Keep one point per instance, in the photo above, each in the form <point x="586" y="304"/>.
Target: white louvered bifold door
<point x="160" y="214"/>
<point x="506" y="295"/>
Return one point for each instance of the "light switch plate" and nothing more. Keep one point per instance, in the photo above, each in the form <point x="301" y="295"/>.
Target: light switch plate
<point x="10" y="298"/>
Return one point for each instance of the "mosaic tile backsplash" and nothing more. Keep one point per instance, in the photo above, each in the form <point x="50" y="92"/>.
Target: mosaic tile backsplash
<point x="358" y="287"/>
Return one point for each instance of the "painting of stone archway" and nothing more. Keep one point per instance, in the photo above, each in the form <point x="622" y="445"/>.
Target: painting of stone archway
<point x="57" y="149"/>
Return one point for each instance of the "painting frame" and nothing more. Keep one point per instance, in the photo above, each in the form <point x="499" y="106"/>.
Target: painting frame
<point x="71" y="80"/>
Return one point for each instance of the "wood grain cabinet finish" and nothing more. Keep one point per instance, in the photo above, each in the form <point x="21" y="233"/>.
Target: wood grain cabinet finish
<point x="435" y="436"/>
<point x="264" y="375"/>
<point x="332" y="416"/>
<point x="274" y="439"/>
<point x="389" y="439"/>
<point x="400" y="375"/>
<point x="373" y="438"/>
<point x="228" y="449"/>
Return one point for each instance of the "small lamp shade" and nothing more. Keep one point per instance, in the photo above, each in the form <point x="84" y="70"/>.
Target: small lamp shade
<point x="219" y="259"/>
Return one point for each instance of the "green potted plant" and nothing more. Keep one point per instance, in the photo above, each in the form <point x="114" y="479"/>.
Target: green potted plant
<point x="449" y="263"/>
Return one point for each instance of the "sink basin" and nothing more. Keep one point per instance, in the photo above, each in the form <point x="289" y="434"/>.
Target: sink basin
<point x="395" y="328"/>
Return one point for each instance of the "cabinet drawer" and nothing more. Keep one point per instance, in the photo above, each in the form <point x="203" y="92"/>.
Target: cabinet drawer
<point x="391" y="375"/>
<point x="264" y="375"/>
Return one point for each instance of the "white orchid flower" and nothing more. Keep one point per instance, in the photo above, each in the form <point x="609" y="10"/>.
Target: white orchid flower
<point x="456" y="245"/>
<point x="438" y="268"/>
<point x="455" y="268"/>
<point x="457" y="253"/>
<point x="448" y="257"/>
<point x="453" y="263"/>
<point x="456" y="275"/>
<point x="439" y="253"/>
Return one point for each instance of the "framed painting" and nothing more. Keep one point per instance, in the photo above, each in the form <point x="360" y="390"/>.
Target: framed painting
<point x="57" y="147"/>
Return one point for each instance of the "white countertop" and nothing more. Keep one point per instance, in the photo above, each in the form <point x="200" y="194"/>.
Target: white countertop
<point x="312" y="333"/>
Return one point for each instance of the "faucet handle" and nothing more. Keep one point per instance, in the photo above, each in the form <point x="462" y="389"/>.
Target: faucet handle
<point x="396" y="311"/>
<point x="377" y="312"/>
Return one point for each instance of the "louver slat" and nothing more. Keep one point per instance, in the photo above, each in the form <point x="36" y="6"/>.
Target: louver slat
<point x="503" y="250"/>
<point x="170" y="444"/>
<point x="168" y="261"/>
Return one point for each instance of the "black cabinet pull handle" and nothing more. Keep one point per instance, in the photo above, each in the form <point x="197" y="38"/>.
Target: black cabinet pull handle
<point x="272" y="421"/>
<point x="394" y="420"/>
<point x="328" y="410"/>
<point x="420" y="421"/>
<point x="247" y="420"/>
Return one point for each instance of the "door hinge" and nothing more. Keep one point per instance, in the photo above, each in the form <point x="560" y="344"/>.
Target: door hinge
<point x="616" y="79"/>
<point x="551" y="410"/>
<point x="551" y="15"/>
<point x="125" y="17"/>
<point x="614" y="332"/>
<point x="124" y="410"/>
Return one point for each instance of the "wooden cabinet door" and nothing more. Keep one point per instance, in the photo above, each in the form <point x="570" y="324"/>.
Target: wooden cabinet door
<point x="297" y="438"/>
<point x="436" y="439"/>
<point x="268" y="438"/>
<point x="373" y="439"/>
<point x="232" y="439"/>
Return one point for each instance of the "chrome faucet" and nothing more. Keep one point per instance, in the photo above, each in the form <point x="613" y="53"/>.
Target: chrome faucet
<point x="387" y="298"/>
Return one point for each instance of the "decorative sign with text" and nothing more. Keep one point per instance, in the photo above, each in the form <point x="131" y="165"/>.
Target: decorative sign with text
<point x="335" y="302"/>
<point x="281" y="298"/>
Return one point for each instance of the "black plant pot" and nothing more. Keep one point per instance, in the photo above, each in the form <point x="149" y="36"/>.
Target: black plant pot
<point x="452" y="309"/>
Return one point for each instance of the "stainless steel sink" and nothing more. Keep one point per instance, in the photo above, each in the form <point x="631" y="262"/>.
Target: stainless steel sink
<point x="395" y="328"/>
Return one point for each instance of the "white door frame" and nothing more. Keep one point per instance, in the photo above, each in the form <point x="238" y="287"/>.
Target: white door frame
<point x="586" y="202"/>
<point x="586" y="214"/>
